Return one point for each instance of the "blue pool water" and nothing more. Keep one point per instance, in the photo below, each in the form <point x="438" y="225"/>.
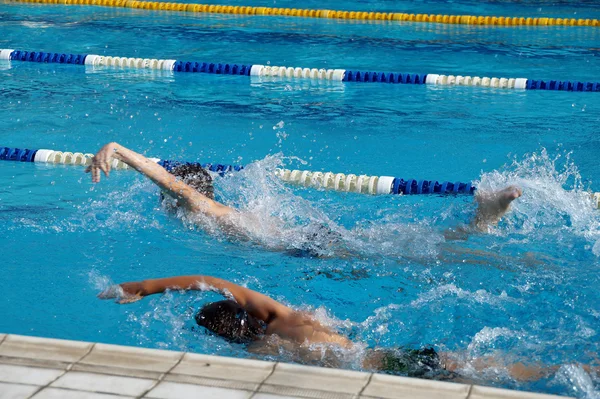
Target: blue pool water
<point x="527" y="291"/>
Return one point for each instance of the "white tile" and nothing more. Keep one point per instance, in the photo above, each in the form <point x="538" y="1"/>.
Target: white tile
<point x="389" y="386"/>
<point x="479" y="392"/>
<point x="27" y="375"/>
<point x="318" y="378"/>
<point x="224" y="367"/>
<point x="132" y="358"/>
<point x="34" y="362"/>
<point x="56" y="393"/>
<point x="120" y="371"/>
<point x="174" y="390"/>
<point x="43" y="348"/>
<point x="317" y="392"/>
<point x="16" y="391"/>
<point x="271" y="396"/>
<point x="103" y="383"/>
<point x="212" y="382"/>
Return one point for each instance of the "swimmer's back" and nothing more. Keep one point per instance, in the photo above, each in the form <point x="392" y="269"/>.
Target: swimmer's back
<point x="302" y="328"/>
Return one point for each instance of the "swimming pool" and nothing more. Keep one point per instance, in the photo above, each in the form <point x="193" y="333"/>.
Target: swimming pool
<point x="524" y="292"/>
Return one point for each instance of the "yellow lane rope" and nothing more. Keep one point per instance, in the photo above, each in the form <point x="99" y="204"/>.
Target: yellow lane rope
<point x="331" y="14"/>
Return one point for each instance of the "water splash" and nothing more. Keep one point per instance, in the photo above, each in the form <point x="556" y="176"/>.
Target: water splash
<point x="122" y="209"/>
<point x="276" y="216"/>
<point x="168" y="322"/>
<point x="99" y="281"/>
<point x="484" y="339"/>
<point x="480" y="296"/>
<point x="37" y="25"/>
<point x="577" y="381"/>
<point x="555" y="201"/>
<point x="391" y="237"/>
<point x="483" y="362"/>
<point x="271" y="214"/>
<point x="596" y="248"/>
<point x="555" y="204"/>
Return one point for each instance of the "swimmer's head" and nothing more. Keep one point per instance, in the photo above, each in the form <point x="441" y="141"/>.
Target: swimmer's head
<point x="229" y="320"/>
<point x="196" y="177"/>
<point x="319" y="241"/>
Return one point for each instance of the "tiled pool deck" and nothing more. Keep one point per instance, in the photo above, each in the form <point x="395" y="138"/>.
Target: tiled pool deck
<point x="43" y="368"/>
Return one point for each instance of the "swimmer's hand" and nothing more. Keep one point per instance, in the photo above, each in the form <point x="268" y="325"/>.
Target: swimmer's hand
<point x="102" y="161"/>
<point x="124" y="293"/>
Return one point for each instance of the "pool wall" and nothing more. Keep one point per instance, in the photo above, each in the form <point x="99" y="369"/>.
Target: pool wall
<point x="32" y="367"/>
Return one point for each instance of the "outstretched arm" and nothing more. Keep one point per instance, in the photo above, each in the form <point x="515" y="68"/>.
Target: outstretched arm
<point x="189" y="197"/>
<point x="258" y="305"/>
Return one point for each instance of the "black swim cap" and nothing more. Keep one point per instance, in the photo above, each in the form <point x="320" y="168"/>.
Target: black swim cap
<point x="230" y="321"/>
<point x="319" y="240"/>
<point x="195" y="176"/>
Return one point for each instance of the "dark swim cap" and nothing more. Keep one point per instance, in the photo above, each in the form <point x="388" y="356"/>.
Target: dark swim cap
<point x="319" y="240"/>
<point x="195" y="176"/>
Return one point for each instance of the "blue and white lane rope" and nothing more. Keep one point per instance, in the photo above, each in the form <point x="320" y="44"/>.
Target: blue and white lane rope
<point x="335" y="181"/>
<point x="85" y="159"/>
<point x="376" y="185"/>
<point x="340" y="75"/>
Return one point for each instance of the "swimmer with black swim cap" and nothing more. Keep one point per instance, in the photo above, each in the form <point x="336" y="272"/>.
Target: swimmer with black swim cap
<point x="248" y="317"/>
<point x="191" y="186"/>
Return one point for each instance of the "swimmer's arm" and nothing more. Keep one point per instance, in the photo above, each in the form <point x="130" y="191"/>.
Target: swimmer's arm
<point x="189" y="197"/>
<point x="258" y="305"/>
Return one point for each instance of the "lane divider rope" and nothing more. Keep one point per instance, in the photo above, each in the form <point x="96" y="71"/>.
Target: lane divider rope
<point x="375" y="185"/>
<point x="340" y="75"/>
<point x="371" y="184"/>
<point x="329" y="14"/>
<point x="336" y="181"/>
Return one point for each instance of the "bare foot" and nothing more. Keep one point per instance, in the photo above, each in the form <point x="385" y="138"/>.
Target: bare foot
<point x="492" y="206"/>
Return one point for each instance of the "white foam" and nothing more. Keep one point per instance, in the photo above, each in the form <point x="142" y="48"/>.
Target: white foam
<point x="98" y="281"/>
<point x="488" y="336"/>
<point x="555" y="203"/>
<point x="596" y="248"/>
<point x="443" y="291"/>
<point x="577" y="380"/>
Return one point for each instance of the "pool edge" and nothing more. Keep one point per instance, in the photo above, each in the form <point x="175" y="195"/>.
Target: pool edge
<point x="44" y="368"/>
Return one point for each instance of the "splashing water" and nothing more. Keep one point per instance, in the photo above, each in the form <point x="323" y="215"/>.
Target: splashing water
<point x="555" y="200"/>
<point x="440" y="292"/>
<point x="554" y="204"/>
<point x="119" y="209"/>
<point x="484" y="339"/>
<point x="270" y="213"/>
<point x="276" y="217"/>
<point x="168" y="314"/>
<point x="98" y="281"/>
<point x="577" y="380"/>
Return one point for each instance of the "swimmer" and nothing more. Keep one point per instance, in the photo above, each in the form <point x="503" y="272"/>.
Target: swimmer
<point x="248" y="317"/>
<point x="191" y="187"/>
